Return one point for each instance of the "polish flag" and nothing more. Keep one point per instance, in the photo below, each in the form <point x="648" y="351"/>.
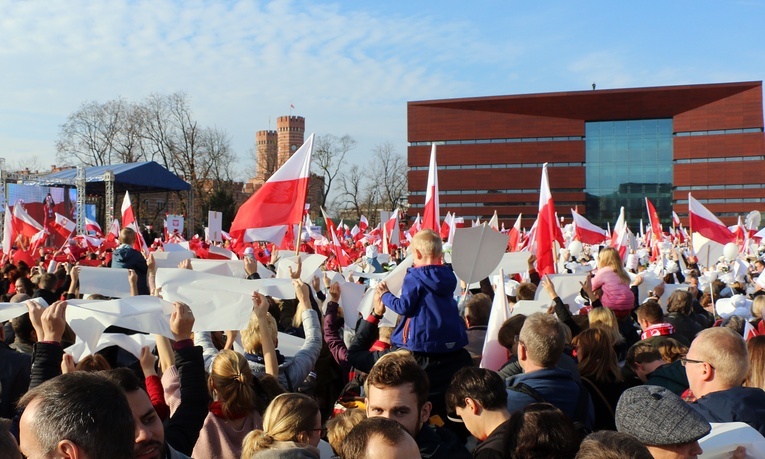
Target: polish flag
<point x="749" y="331"/>
<point x="738" y="230"/>
<point x="92" y="225"/>
<point x="64" y="226"/>
<point x="515" y="235"/>
<point x="391" y="226"/>
<point x="587" y="232"/>
<point x="548" y="230"/>
<point x="653" y="218"/>
<point x="363" y="224"/>
<point x="279" y="203"/>
<point x="114" y="231"/>
<point x="494" y="222"/>
<point x="342" y="258"/>
<point x="355" y="231"/>
<point x="37" y="241"/>
<point x="445" y="226"/>
<point x="494" y="355"/>
<point x="620" y="236"/>
<point x="431" y="218"/>
<point x="23" y="223"/>
<point x="415" y="228"/>
<point x="88" y="242"/>
<point x="129" y="221"/>
<point x="705" y="223"/>
<point x="328" y="222"/>
<point x="128" y="217"/>
<point x="675" y="219"/>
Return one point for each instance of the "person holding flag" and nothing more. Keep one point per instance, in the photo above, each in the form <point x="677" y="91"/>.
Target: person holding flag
<point x="125" y="256"/>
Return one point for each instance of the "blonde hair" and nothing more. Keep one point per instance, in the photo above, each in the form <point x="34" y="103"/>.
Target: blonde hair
<point x="428" y="242"/>
<point x="757" y="305"/>
<point x="289" y="417"/>
<point x="724" y="349"/>
<point x="606" y="319"/>
<point x="610" y="258"/>
<point x="251" y="335"/>
<point x="231" y="379"/>
<point x="339" y="426"/>
<point x="756" y="348"/>
<point x="598" y="358"/>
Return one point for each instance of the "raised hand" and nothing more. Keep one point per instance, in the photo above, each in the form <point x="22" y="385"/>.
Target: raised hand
<point x="181" y="321"/>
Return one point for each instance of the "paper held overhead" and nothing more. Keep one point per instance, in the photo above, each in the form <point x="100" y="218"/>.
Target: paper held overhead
<point x="476" y="252"/>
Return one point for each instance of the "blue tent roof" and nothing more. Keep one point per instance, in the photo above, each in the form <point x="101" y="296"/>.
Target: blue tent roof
<point x="145" y="176"/>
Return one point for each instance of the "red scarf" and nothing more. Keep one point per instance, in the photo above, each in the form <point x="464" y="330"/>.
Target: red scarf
<point x="662" y="329"/>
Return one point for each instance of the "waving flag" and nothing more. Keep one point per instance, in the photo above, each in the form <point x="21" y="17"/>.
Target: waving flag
<point x="92" y="225"/>
<point x="63" y="226"/>
<point x="279" y="203"/>
<point x="23" y="223"/>
<point x="587" y="232"/>
<point x="515" y="235"/>
<point x="431" y="218"/>
<point x="705" y="223"/>
<point x="548" y="230"/>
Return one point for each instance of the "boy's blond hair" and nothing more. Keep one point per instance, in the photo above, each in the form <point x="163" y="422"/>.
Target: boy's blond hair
<point x="339" y="426"/>
<point x="428" y="242"/>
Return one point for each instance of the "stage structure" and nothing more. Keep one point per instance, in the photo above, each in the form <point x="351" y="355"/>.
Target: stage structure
<point x="103" y="181"/>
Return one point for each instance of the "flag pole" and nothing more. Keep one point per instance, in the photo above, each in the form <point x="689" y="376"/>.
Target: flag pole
<point x="297" y="238"/>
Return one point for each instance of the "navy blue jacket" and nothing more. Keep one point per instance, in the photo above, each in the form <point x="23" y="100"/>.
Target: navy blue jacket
<point x="431" y="321"/>
<point x="555" y="386"/>
<point x="129" y="258"/>
<point x="738" y="404"/>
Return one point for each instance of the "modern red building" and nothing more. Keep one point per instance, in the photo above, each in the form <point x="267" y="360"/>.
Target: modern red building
<point x="604" y="149"/>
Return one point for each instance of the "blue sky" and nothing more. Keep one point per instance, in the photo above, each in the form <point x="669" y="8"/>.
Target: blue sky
<point x="349" y="67"/>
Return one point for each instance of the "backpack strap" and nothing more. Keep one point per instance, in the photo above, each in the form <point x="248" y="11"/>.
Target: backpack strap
<point x="528" y="390"/>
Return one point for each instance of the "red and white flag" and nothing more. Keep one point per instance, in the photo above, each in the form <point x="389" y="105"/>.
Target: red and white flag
<point x="23" y="223"/>
<point x="63" y="226"/>
<point x="342" y="258"/>
<point x="328" y="222"/>
<point x="587" y="232"/>
<point x="707" y="224"/>
<point x="114" y="231"/>
<point x="548" y="230"/>
<point x="37" y="241"/>
<point x="620" y="236"/>
<point x="445" y="226"/>
<point x="391" y="227"/>
<point x="279" y="203"/>
<point x="363" y="224"/>
<point x="92" y="225"/>
<point x="653" y="218"/>
<point x="749" y="331"/>
<point x="431" y="219"/>
<point x="415" y="228"/>
<point x="515" y="236"/>
<point x="129" y="221"/>
<point x="494" y="222"/>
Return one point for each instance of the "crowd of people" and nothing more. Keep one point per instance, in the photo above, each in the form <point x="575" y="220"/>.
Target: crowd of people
<point x="619" y="374"/>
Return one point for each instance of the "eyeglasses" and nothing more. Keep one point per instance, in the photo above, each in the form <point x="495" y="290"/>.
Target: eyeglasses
<point x="684" y="362"/>
<point x="322" y="429"/>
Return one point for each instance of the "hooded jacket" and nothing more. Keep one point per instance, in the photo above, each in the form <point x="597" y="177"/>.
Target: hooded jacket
<point x="431" y="321"/>
<point x="737" y="404"/>
<point x="129" y="258"/>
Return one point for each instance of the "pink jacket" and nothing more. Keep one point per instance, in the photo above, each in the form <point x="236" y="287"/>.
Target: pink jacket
<point x="616" y="294"/>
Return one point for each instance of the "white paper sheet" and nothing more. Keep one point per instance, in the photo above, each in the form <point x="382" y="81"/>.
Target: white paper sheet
<point x="513" y="263"/>
<point x="108" y="282"/>
<point x="311" y="266"/>
<point x="350" y="299"/>
<point x="130" y="343"/>
<point x="476" y="252"/>
<point x="171" y="259"/>
<point x="669" y="289"/>
<point x="395" y="281"/>
<point x="9" y="311"/>
<point x="726" y="437"/>
<point x="707" y="251"/>
<point x="223" y="252"/>
<point x="494" y="355"/>
<point x="214" y="225"/>
<point x="650" y="281"/>
<point x="228" y="268"/>
<point x="218" y="303"/>
<point x="528" y="307"/>
<point x="143" y="313"/>
<point x="567" y="286"/>
<point x="171" y="247"/>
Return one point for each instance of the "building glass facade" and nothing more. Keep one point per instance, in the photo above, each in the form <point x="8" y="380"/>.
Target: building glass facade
<point x="627" y="161"/>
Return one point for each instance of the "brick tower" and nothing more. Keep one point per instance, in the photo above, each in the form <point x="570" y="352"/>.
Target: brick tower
<point x="291" y="133"/>
<point x="266" y="144"/>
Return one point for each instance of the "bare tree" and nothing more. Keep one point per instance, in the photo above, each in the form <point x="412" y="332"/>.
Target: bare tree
<point x="89" y="134"/>
<point x="329" y="156"/>
<point x="389" y="171"/>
